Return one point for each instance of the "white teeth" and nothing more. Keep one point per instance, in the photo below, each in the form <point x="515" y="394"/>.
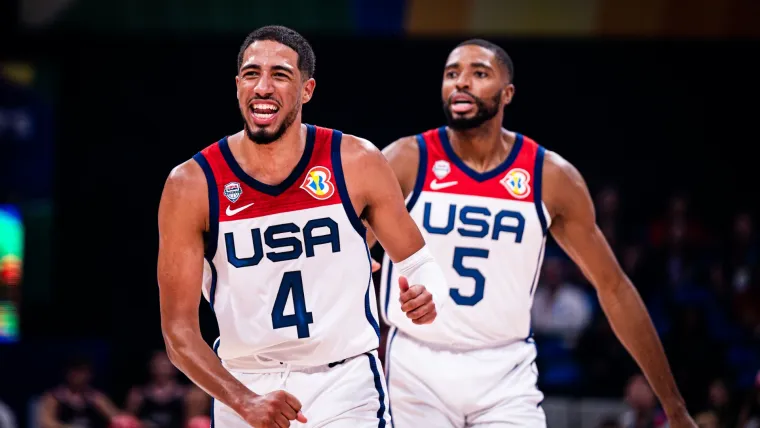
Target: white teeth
<point x="263" y="115"/>
<point x="265" y="107"/>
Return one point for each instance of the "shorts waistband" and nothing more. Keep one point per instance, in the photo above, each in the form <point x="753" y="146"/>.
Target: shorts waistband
<point x="462" y="348"/>
<point x="271" y="366"/>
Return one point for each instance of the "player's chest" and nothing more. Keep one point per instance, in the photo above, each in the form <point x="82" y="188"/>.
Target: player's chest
<point x="318" y="232"/>
<point x="493" y="222"/>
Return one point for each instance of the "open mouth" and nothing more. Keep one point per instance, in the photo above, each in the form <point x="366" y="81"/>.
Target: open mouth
<point x="263" y="113"/>
<point x="462" y="103"/>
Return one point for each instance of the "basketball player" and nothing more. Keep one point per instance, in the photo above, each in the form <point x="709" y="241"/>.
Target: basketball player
<point x="485" y="199"/>
<point x="271" y="218"/>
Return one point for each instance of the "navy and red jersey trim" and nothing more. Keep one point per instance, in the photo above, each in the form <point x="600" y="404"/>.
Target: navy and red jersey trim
<point x="309" y="185"/>
<point x="517" y="178"/>
<point x="317" y="180"/>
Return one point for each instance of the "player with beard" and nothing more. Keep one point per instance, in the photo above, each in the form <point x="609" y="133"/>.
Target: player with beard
<point x="485" y="199"/>
<point x="270" y="219"/>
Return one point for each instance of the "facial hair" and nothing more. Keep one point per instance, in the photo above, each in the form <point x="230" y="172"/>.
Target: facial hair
<point x="485" y="111"/>
<point x="265" y="136"/>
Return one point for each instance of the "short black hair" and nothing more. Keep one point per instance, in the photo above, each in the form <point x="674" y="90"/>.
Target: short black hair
<point x="497" y="50"/>
<point x="287" y="37"/>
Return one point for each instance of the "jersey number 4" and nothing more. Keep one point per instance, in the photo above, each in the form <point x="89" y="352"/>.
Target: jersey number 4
<point x="292" y="283"/>
<point x="480" y="281"/>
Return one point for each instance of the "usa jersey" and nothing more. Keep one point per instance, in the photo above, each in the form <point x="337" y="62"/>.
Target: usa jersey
<point x="287" y="269"/>
<point x="487" y="232"/>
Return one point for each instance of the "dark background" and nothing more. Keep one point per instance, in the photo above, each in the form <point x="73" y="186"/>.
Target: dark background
<point x="654" y="116"/>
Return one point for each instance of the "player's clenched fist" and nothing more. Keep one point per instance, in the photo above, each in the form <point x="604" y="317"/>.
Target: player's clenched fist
<point x="416" y="302"/>
<point x="273" y="410"/>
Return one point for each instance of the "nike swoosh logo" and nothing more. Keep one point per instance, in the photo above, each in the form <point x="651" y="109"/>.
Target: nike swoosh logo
<point x="438" y="186"/>
<point x="230" y="212"/>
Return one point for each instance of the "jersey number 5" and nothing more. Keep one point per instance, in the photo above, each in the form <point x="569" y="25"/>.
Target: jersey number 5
<point x="480" y="281"/>
<point x="292" y="283"/>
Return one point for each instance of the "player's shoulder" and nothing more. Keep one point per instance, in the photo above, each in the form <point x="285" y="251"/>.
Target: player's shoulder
<point x="358" y="151"/>
<point x="407" y="145"/>
<point x="356" y="144"/>
<point x="558" y="169"/>
<point x="563" y="185"/>
<point x="187" y="174"/>
<point x="185" y="184"/>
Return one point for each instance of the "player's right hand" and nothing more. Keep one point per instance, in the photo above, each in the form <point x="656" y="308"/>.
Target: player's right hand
<point x="416" y="302"/>
<point x="273" y="410"/>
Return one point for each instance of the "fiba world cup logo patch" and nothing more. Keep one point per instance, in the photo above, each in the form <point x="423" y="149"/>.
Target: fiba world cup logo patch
<point x="317" y="183"/>
<point x="516" y="183"/>
<point x="232" y="191"/>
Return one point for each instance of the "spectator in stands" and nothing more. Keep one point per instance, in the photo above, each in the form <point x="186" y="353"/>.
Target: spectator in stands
<point x="742" y="254"/>
<point x="163" y="402"/>
<point x="608" y="214"/>
<point x="707" y="420"/>
<point x="7" y="420"/>
<point x="719" y="404"/>
<point x="679" y="216"/>
<point x="643" y="412"/>
<point x="76" y="403"/>
<point x="606" y="364"/>
<point x="749" y="416"/>
<point x="559" y="307"/>
<point x="675" y="260"/>
<point x="634" y="260"/>
<point x="694" y="355"/>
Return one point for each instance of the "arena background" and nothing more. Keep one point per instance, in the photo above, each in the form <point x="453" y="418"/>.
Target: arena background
<point x="654" y="101"/>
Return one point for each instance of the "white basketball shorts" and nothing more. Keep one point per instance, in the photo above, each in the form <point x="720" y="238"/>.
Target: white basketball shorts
<point x="351" y="394"/>
<point x="495" y="387"/>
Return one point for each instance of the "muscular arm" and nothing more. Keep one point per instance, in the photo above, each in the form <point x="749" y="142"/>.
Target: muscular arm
<point x="381" y="199"/>
<point x="402" y="156"/>
<point x="574" y="228"/>
<point x="381" y="204"/>
<point x="182" y="217"/>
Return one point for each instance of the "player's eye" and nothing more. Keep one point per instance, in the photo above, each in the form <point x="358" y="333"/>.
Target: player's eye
<point x="451" y="74"/>
<point x="481" y="74"/>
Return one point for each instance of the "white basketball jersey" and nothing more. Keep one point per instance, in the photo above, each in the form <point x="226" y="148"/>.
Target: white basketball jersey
<point x="487" y="232"/>
<point x="287" y="269"/>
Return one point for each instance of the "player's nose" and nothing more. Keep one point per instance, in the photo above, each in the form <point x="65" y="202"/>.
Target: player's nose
<point x="264" y="86"/>
<point x="463" y="81"/>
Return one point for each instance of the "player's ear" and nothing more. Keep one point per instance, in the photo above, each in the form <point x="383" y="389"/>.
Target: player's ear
<point x="308" y="90"/>
<point x="237" y="86"/>
<point x="508" y="93"/>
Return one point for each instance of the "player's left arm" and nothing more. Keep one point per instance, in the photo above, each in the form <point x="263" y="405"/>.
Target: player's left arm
<point x="376" y="195"/>
<point x="574" y="228"/>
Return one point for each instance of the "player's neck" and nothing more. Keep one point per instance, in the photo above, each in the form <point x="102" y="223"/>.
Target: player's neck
<point x="482" y="148"/>
<point x="271" y="163"/>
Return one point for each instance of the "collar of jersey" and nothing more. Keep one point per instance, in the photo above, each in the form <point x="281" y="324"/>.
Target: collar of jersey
<point x="475" y="175"/>
<point x="272" y="190"/>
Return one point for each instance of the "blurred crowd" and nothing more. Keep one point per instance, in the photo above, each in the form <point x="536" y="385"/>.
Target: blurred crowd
<point x="166" y="400"/>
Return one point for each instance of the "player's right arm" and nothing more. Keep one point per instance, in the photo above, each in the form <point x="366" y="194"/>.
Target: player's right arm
<point x="182" y="218"/>
<point x="403" y="155"/>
